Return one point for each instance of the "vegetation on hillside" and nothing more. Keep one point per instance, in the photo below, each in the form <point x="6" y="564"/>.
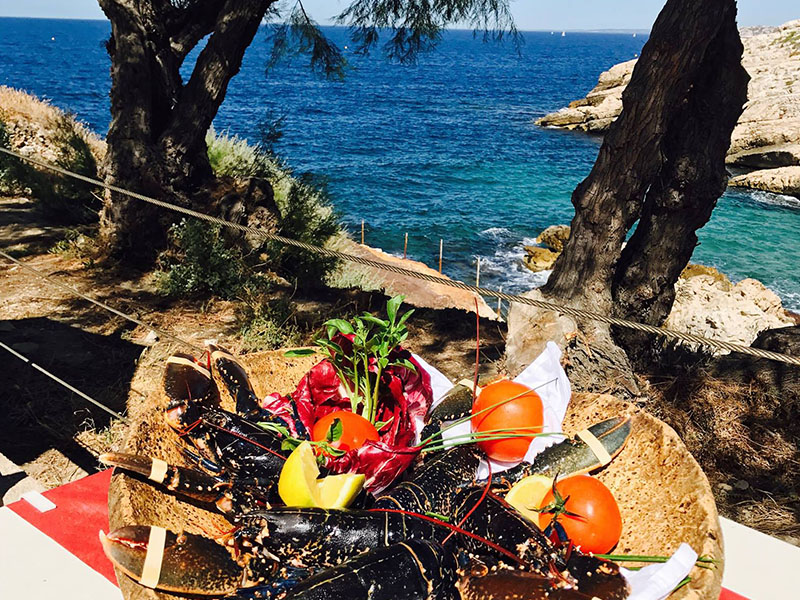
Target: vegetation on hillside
<point x="53" y="136"/>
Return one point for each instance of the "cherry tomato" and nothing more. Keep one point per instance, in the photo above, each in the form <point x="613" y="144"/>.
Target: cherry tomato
<point x="599" y="524"/>
<point x="355" y="430"/>
<point x="523" y="414"/>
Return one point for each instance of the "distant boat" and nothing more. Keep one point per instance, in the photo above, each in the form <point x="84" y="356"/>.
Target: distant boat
<point x="634" y="35"/>
<point x="563" y="33"/>
<point x="552" y="33"/>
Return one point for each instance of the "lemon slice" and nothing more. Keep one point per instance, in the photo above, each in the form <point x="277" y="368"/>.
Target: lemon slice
<point x="339" y="491"/>
<point x="297" y="484"/>
<point x="528" y="494"/>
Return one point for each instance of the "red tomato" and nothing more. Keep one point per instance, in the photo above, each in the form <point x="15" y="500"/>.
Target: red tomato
<point x="355" y="430"/>
<point x="524" y="412"/>
<point x="599" y="524"/>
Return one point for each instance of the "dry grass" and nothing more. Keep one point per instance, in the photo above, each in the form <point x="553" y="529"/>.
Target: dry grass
<point x="746" y="439"/>
<point x="33" y="121"/>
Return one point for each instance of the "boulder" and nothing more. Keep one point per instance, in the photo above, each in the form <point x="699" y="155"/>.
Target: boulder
<point x="554" y="237"/>
<point x="539" y="259"/>
<point x="783" y="180"/>
<point x="712" y="308"/>
<point x="695" y="270"/>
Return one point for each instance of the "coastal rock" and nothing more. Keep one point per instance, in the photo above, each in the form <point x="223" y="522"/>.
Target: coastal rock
<point x="554" y="237"/>
<point x="539" y="259"/>
<point x="783" y="180"/>
<point x="767" y="135"/>
<point x="417" y="292"/>
<point x="715" y="309"/>
<point x="602" y="105"/>
<point x="695" y="270"/>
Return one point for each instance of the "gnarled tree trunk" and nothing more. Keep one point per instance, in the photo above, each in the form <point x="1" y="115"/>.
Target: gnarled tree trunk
<point x="686" y="189"/>
<point x="670" y="141"/>
<point x="156" y="140"/>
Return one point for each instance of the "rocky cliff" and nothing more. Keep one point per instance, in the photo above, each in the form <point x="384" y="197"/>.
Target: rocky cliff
<point x="766" y="141"/>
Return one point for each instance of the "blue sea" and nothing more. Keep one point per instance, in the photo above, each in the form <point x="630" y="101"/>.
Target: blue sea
<point x="444" y="149"/>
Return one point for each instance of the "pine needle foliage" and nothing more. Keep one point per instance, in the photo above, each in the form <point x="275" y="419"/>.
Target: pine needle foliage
<point x="412" y="26"/>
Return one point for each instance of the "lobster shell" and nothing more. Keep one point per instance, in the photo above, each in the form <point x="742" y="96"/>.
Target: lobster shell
<point x="664" y="496"/>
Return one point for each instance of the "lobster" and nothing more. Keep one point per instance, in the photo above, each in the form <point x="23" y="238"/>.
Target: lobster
<point x="399" y="547"/>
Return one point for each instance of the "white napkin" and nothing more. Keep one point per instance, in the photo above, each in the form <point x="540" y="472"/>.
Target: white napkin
<point x="548" y="378"/>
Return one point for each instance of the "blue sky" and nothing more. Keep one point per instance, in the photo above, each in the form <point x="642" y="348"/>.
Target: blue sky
<point x="529" y="14"/>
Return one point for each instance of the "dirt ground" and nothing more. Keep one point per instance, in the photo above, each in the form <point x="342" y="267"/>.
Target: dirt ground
<point x="53" y="434"/>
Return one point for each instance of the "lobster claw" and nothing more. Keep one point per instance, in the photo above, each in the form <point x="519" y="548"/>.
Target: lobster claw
<point x="235" y="378"/>
<point x="185" y="380"/>
<point x="185" y="564"/>
<point x="185" y="482"/>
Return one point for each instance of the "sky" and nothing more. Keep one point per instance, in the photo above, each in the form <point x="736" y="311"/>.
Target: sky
<point x="529" y="14"/>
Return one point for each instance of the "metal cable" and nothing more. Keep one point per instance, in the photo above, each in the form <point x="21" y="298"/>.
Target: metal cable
<point x="64" y="383"/>
<point x="72" y="290"/>
<point x="566" y="310"/>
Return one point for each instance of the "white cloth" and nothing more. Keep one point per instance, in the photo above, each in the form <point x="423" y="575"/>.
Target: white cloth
<point x="548" y="378"/>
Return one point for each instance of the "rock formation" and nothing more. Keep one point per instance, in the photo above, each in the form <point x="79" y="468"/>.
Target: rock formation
<point x="553" y="238"/>
<point x="707" y="303"/>
<point x="767" y="136"/>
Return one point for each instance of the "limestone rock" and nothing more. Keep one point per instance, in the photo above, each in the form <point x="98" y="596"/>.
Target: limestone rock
<point x="602" y="105"/>
<point x="417" y="292"/>
<point x="554" y="237"/>
<point x="767" y="135"/>
<point x="539" y="259"/>
<point x="783" y="180"/>
<point x="695" y="270"/>
<point x="710" y="308"/>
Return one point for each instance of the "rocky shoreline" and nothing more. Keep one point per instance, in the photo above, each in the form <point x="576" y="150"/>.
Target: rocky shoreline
<point x="707" y="303"/>
<point x="766" y="140"/>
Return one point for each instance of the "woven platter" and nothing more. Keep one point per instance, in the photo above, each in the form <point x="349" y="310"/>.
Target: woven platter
<point x="664" y="497"/>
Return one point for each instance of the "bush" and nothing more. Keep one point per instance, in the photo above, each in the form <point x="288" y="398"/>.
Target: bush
<point x="306" y="216"/>
<point x="205" y="263"/>
<point x="305" y="213"/>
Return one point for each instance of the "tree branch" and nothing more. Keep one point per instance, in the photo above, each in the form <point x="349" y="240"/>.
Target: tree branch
<point x="220" y="60"/>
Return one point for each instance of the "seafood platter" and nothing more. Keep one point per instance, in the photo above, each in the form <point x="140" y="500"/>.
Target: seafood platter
<point x="349" y="470"/>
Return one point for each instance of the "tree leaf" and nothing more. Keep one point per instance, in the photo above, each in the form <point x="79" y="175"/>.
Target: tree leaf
<point x="341" y="325"/>
<point x="334" y="431"/>
<point x="300" y="352"/>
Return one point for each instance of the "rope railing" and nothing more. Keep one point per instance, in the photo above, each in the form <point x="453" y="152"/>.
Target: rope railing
<point x="63" y="383"/>
<point x="482" y="291"/>
<point x="111" y="309"/>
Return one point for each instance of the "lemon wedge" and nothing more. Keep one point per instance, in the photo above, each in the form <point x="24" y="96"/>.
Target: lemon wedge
<point x="339" y="491"/>
<point x="298" y="485"/>
<point x="528" y="493"/>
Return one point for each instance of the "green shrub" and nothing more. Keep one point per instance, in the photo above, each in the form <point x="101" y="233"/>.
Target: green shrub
<point x="305" y="212"/>
<point x="203" y="263"/>
<point x="12" y="170"/>
<point x="306" y="216"/>
<point x="268" y="326"/>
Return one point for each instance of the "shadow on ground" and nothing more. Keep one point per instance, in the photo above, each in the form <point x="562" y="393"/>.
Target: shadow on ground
<point x="39" y="414"/>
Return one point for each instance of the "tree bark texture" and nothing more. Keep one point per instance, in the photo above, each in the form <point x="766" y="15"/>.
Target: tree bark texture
<point x="668" y="146"/>
<point x="609" y="201"/>
<point x="685" y="190"/>
<point x="156" y="140"/>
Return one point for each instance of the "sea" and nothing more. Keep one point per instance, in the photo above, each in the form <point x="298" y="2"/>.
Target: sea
<point x="444" y="149"/>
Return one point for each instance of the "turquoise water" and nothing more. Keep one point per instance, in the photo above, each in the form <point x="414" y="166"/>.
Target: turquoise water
<point x="443" y="149"/>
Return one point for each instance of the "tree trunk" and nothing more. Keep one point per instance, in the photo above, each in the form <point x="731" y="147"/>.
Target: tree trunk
<point x="635" y="156"/>
<point x="608" y="202"/>
<point x="685" y="191"/>
<point x="156" y="140"/>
